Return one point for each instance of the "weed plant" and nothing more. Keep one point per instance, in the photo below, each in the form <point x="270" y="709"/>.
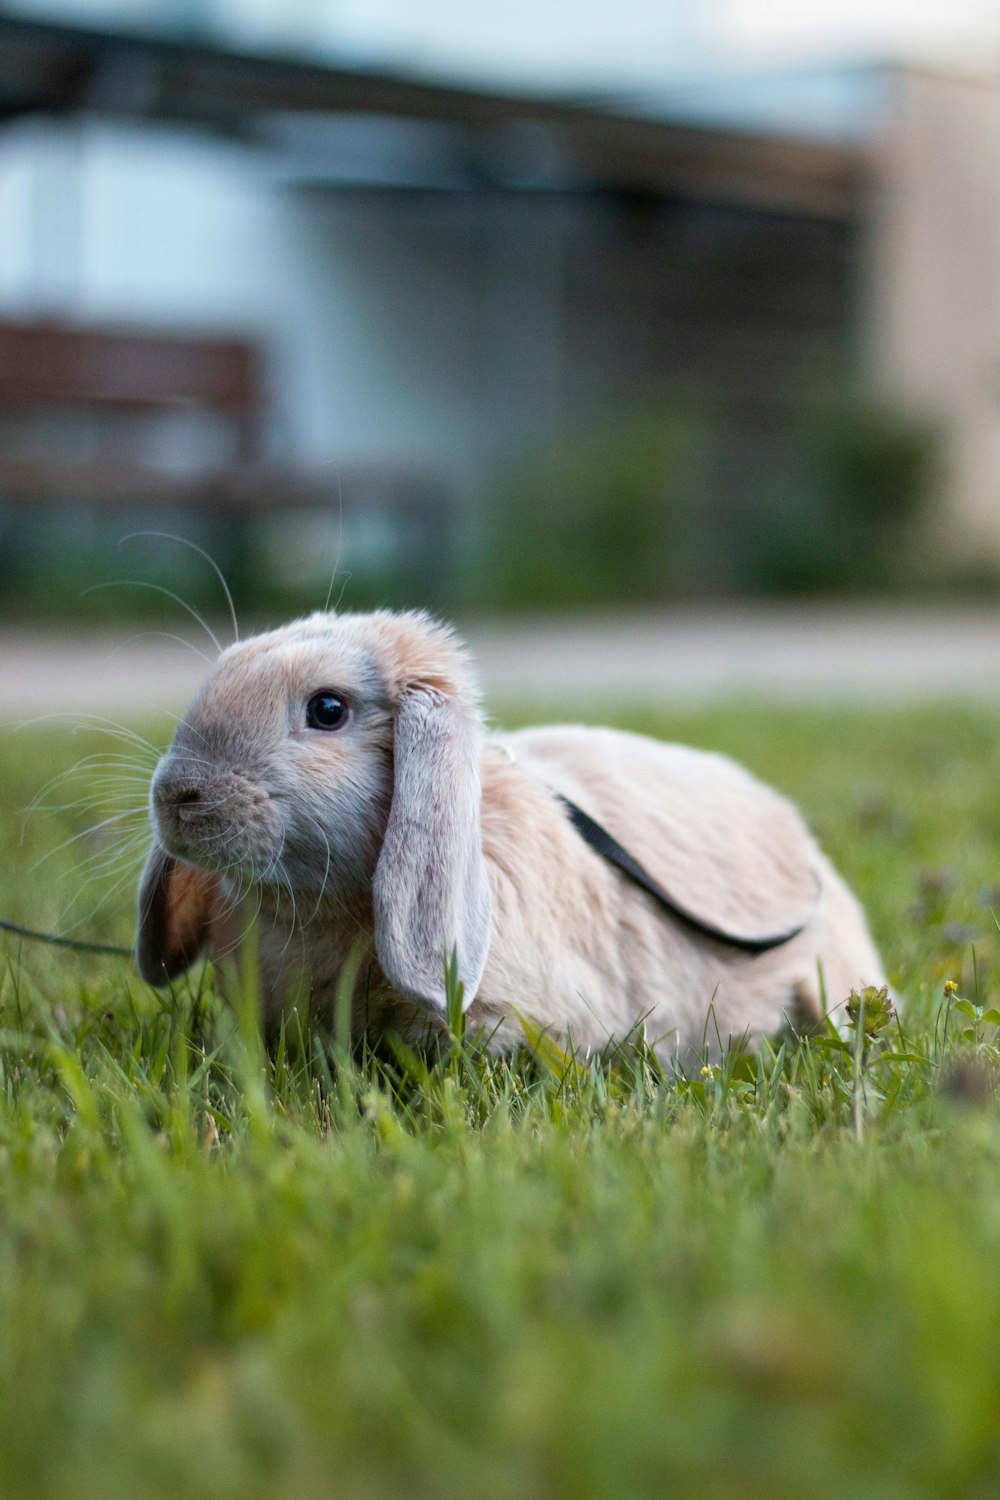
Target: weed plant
<point x="321" y="1273"/>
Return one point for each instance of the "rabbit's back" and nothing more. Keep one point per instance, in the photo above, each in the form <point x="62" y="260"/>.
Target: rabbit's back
<point x="705" y="828"/>
<point x="728" y="849"/>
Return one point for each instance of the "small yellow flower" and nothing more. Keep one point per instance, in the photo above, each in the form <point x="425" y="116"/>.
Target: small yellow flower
<point x="950" y="987"/>
<point x="874" y="1004"/>
<point x="709" y="1071"/>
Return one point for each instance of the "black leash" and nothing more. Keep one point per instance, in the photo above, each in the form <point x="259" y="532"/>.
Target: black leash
<point x="63" y="942"/>
<point x="609" y="848"/>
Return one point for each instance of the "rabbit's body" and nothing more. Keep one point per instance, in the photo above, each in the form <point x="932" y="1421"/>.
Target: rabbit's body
<point x="407" y="830"/>
<point x="732" y="850"/>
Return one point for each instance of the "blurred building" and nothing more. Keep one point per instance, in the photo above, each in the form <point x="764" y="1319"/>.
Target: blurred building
<point x="439" y="279"/>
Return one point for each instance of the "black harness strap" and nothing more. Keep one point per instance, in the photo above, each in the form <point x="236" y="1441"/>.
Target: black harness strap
<point x="592" y="832"/>
<point x="77" y="944"/>
<point x="609" y="848"/>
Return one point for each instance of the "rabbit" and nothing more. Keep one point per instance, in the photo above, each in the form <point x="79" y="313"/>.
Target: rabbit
<point x="332" y="792"/>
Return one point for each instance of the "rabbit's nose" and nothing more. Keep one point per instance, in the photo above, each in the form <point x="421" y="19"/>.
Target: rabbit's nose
<point x="170" y="793"/>
<point x="179" y="797"/>
<point x="188" y="804"/>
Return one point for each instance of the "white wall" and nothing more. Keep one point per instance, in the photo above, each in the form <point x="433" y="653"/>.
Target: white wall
<point x="39" y="176"/>
<point x="904" y="30"/>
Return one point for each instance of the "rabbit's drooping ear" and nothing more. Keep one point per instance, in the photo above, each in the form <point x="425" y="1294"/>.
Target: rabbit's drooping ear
<point x="175" y="908"/>
<point x="430" y="890"/>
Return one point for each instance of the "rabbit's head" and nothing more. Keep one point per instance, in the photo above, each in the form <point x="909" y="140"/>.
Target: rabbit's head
<point x="336" y="756"/>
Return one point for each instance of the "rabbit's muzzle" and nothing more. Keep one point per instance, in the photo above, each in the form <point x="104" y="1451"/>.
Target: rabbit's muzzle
<point x="213" y="817"/>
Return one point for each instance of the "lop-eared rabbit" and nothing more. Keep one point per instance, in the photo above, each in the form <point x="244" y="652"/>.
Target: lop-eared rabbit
<point x="333" y="790"/>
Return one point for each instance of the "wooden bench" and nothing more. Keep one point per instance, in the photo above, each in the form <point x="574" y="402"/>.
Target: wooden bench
<point x="127" y="419"/>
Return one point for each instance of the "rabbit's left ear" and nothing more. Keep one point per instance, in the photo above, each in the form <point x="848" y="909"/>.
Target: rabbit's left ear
<point x="176" y="903"/>
<point x="430" y="889"/>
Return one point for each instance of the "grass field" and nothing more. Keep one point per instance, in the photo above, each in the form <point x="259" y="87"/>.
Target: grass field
<point x="224" y="1277"/>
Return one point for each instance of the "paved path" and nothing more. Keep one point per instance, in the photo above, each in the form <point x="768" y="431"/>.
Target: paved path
<point x="808" y="652"/>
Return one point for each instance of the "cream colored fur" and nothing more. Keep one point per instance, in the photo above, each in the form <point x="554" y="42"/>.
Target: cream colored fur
<point x="412" y="831"/>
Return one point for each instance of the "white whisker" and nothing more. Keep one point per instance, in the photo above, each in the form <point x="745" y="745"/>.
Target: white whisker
<point x="158" y="588"/>
<point x="183" y="541"/>
<point x="84" y="832"/>
<point x="159" y="635"/>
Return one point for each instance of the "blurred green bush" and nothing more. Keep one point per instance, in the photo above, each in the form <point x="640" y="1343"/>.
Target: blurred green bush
<point x="865" y="478"/>
<point x="602" y="516"/>
<point x="683" y="497"/>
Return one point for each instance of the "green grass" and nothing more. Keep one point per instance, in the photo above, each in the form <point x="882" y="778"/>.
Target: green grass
<point x="226" y="1277"/>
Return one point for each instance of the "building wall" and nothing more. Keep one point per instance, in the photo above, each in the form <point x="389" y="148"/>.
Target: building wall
<point x="523" y="44"/>
<point x="934" y="306"/>
<point x="409" y="323"/>
<point x="460" y="331"/>
<point x="389" y="322"/>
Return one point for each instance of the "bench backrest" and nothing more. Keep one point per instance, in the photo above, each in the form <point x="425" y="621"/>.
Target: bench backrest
<point x="45" y="365"/>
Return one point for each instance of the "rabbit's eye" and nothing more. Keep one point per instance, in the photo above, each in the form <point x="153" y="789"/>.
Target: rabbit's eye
<point x="326" y="711"/>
